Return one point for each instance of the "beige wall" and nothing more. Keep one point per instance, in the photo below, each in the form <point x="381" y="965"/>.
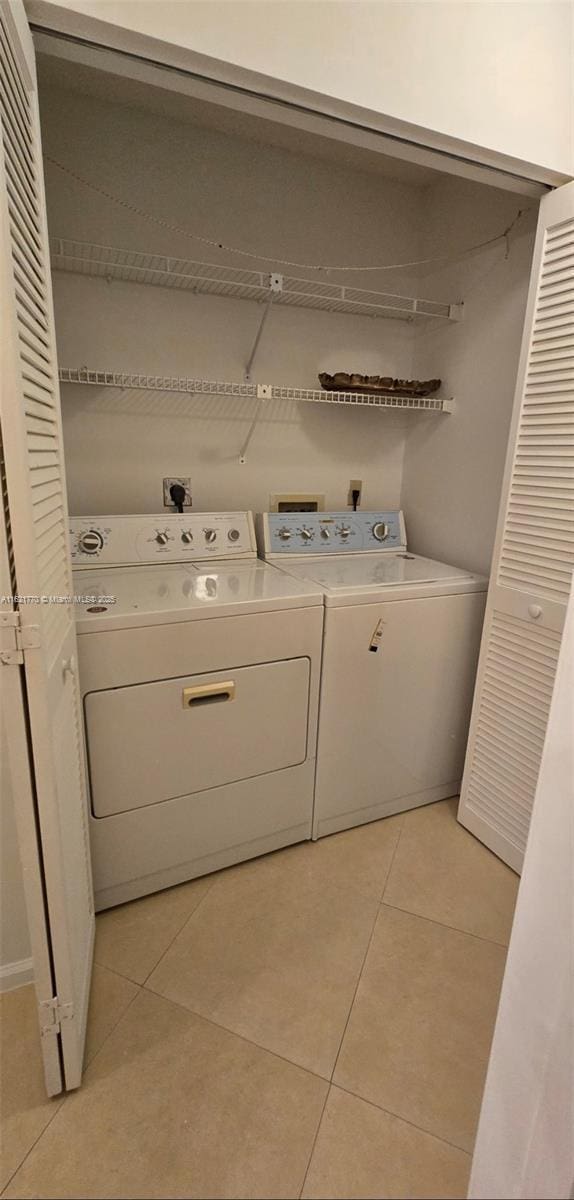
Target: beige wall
<point x="119" y="447"/>
<point x="453" y="469"/>
<point x="495" y="73"/>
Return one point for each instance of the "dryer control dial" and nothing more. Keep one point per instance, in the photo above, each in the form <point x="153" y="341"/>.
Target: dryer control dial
<point x="325" y="534"/>
<point x="162" y="537"/>
<point x="187" y="536"/>
<point x="91" y="541"/>
<point x="344" y="531"/>
<point x="233" y="535"/>
<point x="380" y="531"/>
<point x="285" y="534"/>
<point x="210" y="535"/>
<point x="307" y="534"/>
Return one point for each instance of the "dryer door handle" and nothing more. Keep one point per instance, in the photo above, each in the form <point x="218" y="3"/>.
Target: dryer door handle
<point x="208" y="693"/>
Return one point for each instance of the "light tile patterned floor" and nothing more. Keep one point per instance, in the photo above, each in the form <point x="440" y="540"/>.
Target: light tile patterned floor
<point x="315" y="1023"/>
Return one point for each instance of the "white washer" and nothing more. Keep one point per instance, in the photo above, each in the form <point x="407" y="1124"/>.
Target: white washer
<point x="400" y="650"/>
<point x="200" y="686"/>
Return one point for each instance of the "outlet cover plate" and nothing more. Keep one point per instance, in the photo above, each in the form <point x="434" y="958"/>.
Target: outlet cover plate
<point x="355" y="485"/>
<point x="185" y="482"/>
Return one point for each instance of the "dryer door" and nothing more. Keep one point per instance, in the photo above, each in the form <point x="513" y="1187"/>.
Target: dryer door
<point x="155" y="741"/>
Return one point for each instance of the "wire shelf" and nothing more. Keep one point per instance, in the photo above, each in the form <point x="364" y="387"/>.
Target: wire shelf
<point x="136" y="266"/>
<point x="123" y="380"/>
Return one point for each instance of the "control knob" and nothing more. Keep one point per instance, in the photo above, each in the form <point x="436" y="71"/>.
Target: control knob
<point x="380" y="531"/>
<point x="325" y="534"/>
<point x="187" y="536"/>
<point x="344" y="531"/>
<point x="210" y="535"/>
<point x="284" y="534"/>
<point x="306" y="533"/>
<point x="91" y="541"/>
<point x="162" y="537"/>
<point x="233" y="535"/>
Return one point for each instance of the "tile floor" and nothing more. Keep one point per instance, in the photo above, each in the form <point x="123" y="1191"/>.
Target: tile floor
<point x="315" y="1023"/>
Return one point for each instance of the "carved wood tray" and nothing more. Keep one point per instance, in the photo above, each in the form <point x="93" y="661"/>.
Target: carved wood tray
<point x="384" y="384"/>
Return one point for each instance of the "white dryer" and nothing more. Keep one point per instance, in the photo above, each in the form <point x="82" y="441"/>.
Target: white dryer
<point x="199" y="670"/>
<point x="400" y="649"/>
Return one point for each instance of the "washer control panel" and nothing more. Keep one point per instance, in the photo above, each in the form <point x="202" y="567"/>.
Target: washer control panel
<point x="124" y="541"/>
<point x="331" y="532"/>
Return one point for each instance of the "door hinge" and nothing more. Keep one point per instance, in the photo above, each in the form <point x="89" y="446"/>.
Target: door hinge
<point x="15" y="638"/>
<point x="52" y="1013"/>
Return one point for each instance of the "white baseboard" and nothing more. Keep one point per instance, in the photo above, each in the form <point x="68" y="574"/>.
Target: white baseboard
<point x="16" y="974"/>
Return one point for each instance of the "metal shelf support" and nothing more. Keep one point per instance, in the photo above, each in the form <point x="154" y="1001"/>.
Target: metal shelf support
<point x="264" y="392"/>
<point x="275" y="288"/>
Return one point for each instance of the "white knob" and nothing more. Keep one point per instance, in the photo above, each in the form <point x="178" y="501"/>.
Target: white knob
<point x="91" y="541"/>
<point x="380" y="530"/>
<point x="69" y="666"/>
<point x="534" y="611"/>
<point x="284" y="534"/>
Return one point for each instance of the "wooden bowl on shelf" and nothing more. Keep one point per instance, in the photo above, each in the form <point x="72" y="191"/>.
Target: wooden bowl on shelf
<point x="382" y="384"/>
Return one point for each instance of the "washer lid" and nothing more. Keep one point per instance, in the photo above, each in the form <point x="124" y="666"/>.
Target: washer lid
<point x="359" y="575"/>
<point x="124" y="597"/>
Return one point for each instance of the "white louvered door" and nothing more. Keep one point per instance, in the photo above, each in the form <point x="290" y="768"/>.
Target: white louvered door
<point x="54" y="810"/>
<point x="533" y="555"/>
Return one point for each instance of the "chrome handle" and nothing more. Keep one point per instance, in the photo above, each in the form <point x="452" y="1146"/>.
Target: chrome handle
<point x="208" y="693"/>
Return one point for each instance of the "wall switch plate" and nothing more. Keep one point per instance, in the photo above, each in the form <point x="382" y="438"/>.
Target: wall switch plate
<point x="185" y="482"/>
<point x="355" y="485"/>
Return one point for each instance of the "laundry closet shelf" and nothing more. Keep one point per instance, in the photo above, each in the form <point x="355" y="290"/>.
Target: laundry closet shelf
<point x="137" y="266"/>
<point x="258" y="391"/>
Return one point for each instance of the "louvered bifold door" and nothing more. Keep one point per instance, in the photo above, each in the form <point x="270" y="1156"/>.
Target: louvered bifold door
<point x="533" y="556"/>
<point x="43" y="642"/>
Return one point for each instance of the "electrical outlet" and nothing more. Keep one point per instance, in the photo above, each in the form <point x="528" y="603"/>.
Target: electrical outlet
<point x="185" y="482"/>
<point x="355" y="485"/>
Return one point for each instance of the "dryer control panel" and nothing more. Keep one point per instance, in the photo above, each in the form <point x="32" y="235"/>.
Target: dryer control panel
<point x="309" y="534"/>
<point x="128" y="540"/>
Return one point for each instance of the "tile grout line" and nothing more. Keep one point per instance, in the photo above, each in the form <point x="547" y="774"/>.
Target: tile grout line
<point x="392" y="862"/>
<point x="366" y="895"/>
<point x="317" y="1131"/>
<point x="35" y="1143"/>
<point x="85" y="1067"/>
<point x="399" y="1117"/>
<point x="114" y="1026"/>
<point x="118" y="974"/>
<point x="193" y="1012"/>
<point x="356" y="988"/>
<point x="443" y="924"/>
<point x="331" y="1084"/>
<point x="372" y="934"/>
<point x="180" y="930"/>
